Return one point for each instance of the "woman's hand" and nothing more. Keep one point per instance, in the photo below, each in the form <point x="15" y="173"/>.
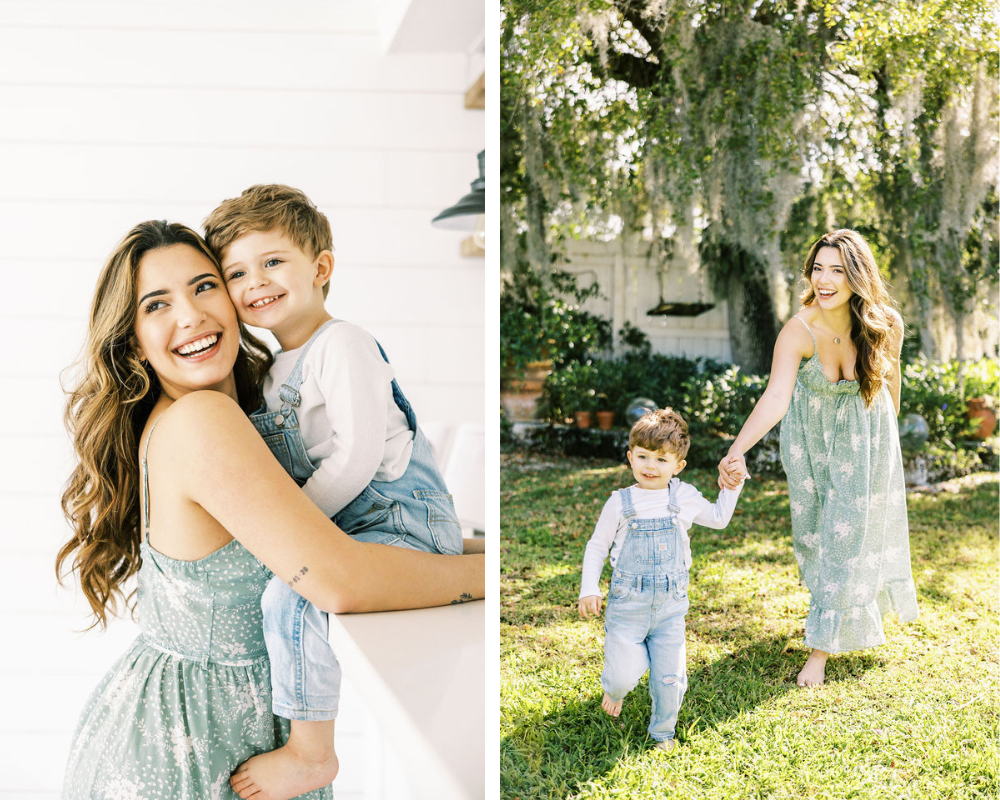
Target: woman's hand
<point x="732" y="470"/>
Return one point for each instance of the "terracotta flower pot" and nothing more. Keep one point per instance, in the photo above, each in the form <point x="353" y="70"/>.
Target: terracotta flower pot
<point x="582" y="419"/>
<point x="977" y="410"/>
<point x="605" y="419"/>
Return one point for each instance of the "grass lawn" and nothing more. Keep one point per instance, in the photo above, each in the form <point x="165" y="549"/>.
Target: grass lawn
<point x="915" y="718"/>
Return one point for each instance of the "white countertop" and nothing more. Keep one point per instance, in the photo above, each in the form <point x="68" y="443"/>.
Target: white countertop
<point x="422" y="673"/>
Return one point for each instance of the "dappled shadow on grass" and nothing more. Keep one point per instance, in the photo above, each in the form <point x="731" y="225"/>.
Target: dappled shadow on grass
<point x="555" y="754"/>
<point x="551" y="524"/>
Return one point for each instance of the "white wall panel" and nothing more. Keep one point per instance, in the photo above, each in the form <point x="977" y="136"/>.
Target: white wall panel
<point x="116" y="112"/>
<point x="223" y="16"/>
<point x="228" y="60"/>
<point x="42" y="230"/>
<point x="95" y="173"/>
<point x="253" y="117"/>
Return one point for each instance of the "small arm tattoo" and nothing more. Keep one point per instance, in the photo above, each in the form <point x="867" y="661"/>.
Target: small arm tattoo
<point x="465" y="598"/>
<point x="295" y="579"/>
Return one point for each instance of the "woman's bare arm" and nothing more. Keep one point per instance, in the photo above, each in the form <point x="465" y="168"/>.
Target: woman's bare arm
<point x="793" y="344"/>
<point x="895" y="377"/>
<point x="223" y="465"/>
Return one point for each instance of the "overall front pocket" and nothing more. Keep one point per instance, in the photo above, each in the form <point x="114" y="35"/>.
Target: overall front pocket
<point x="445" y="531"/>
<point x="680" y="585"/>
<point x="622" y="588"/>
<point x="371" y="511"/>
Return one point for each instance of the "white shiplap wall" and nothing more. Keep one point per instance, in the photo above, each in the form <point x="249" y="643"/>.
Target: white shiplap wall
<point x="118" y="112"/>
<point x="631" y="285"/>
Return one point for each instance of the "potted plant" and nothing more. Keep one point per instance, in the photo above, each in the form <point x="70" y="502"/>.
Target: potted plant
<point x="605" y="414"/>
<point x="980" y="386"/>
<point x="543" y="327"/>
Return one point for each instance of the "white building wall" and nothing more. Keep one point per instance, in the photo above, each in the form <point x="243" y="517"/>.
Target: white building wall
<point x="631" y="286"/>
<point x="116" y="112"/>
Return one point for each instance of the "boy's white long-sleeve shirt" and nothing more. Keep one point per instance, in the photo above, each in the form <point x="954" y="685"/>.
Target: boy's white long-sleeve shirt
<point x="609" y="533"/>
<point x="351" y="426"/>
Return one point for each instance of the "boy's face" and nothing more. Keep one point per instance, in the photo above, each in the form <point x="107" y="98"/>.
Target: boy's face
<point x="653" y="469"/>
<point x="274" y="285"/>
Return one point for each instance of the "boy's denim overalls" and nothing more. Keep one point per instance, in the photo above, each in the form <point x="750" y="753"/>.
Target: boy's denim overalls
<point x="644" y="621"/>
<point x="414" y="511"/>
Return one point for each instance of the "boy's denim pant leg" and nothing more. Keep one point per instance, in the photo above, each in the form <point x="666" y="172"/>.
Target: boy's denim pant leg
<point x="305" y="673"/>
<point x="643" y="631"/>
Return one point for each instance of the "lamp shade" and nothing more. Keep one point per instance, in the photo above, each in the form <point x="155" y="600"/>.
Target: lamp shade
<point x="462" y="215"/>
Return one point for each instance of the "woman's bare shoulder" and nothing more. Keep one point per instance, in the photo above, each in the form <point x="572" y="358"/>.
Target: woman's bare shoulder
<point x="198" y="421"/>
<point x="807" y="314"/>
<point x="795" y="334"/>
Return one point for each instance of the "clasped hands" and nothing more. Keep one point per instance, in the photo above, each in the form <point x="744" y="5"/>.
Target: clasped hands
<point x="732" y="470"/>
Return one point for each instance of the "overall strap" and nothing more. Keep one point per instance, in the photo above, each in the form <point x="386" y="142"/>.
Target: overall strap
<point x="397" y="395"/>
<point x="815" y="346"/>
<point x="289" y="391"/>
<point x="145" y="479"/>
<point x="628" y="510"/>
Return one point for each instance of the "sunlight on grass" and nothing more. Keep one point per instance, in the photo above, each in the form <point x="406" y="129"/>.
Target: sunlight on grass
<point x="915" y="718"/>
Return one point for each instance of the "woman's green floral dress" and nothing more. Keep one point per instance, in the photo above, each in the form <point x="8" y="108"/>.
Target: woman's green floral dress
<point x="848" y="502"/>
<point x="191" y="699"/>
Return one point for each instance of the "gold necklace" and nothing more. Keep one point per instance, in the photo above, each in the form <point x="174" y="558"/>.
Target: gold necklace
<point x="836" y="339"/>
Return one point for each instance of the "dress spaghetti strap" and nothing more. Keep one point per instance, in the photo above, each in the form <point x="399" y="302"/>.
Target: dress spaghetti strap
<point x="815" y="346"/>
<point x="145" y="481"/>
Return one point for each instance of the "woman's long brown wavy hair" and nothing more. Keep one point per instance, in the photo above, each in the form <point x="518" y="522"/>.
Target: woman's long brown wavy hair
<point x="105" y="415"/>
<point x="871" y="307"/>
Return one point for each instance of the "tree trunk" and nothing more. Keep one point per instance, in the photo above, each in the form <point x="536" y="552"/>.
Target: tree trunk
<point x="753" y="324"/>
<point x="741" y="277"/>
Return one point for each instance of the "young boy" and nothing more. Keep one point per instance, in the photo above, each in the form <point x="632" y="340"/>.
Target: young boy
<point x="339" y="424"/>
<point x="645" y="529"/>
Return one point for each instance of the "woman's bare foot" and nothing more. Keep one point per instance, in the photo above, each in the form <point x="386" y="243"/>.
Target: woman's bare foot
<point x="308" y="761"/>
<point x="666" y="744"/>
<point x="814" y="671"/>
<point x="609" y="705"/>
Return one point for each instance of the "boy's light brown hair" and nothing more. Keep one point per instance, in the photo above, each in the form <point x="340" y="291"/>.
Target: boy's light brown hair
<point x="663" y="429"/>
<point x="268" y="207"/>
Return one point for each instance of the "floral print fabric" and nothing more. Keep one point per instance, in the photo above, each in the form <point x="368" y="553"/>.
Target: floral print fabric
<point x="848" y="503"/>
<point x="191" y="699"/>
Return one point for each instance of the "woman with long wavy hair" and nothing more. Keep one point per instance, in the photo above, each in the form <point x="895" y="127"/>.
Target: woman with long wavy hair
<point x="202" y="514"/>
<point x="835" y="382"/>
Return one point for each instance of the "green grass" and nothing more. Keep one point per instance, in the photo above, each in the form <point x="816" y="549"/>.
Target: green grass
<point x="915" y="718"/>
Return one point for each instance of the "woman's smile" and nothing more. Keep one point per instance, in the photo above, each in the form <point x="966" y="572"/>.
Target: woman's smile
<point x="200" y="348"/>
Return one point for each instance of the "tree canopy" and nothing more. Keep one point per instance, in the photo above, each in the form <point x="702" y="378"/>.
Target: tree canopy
<point x="732" y="133"/>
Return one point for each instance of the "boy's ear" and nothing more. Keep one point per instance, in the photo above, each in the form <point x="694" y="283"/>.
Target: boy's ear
<point x="324" y="267"/>
<point x="680" y="466"/>
<point x="629" y="454"/>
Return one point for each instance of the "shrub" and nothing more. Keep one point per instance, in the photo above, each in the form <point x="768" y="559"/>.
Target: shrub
<point x="716" y="399"/>
<point x="932" y="391"/>
<point x="982" y="379"/>
<point x="718" y="405"/>
<point x="541" y="319"/>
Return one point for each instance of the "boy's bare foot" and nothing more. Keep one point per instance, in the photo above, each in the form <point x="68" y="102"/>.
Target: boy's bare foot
<point x="308" y="761"/>
<point x="814" y="671"/>
<point x="666" y="744"/>
<point x="609" y="705"/>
